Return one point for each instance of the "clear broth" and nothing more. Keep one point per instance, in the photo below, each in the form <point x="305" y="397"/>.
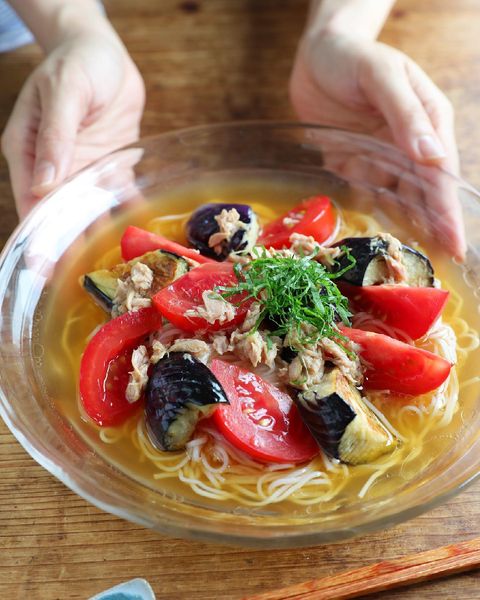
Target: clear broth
<point x="270" y="194"/>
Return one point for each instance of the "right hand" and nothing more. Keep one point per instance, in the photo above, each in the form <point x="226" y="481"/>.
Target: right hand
<point x="83" y="101"/>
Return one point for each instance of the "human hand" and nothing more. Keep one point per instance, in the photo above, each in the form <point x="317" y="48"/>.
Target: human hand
<point x="84" y="100"/>
<point x="365" y="86"/>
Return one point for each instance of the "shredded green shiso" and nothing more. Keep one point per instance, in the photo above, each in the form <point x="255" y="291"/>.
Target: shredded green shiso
<point x="293" y="292"/>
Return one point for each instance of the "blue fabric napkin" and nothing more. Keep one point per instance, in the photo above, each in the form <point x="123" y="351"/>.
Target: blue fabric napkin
<point x="136" y="589"/>
<point x="13" y="32"/>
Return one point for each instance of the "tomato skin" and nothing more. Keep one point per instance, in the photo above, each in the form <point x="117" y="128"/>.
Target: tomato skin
<point x="136" y="241"/>
<point x="286" y="441"/>
<point x="186" y="293"/>
<point x="103" y="379"/>
<point x="397" y="366"/>
<point x="318" y="221"/>
<point x="413" y="310"/>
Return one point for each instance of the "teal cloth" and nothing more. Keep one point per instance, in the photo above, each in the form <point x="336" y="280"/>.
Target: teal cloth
<point x="136" y="589"/>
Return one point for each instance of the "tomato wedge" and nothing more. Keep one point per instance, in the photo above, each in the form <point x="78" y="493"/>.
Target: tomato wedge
<point x="413" y="310"/>
<point x="136" y="241"/>
<point x="185" y="293"/>
<point x="315" y="217"/>
<point x="106" y="362"/>
<point x="396" y="366"/>
<point x="261" y="420"/>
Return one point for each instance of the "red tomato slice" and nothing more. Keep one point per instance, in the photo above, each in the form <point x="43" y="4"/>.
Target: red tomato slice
<point x="261" y="420"/>
<point x="136" y="241"/>
<point x="396" y="366"/>
<point x="106" y="362"/>
<point x="185" y="293"/>
<point x="413" y="310"/>
<point x="317" y="218"/>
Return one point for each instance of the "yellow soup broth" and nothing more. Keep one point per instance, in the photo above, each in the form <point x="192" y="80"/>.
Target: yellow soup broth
<point x="427" y="435"/>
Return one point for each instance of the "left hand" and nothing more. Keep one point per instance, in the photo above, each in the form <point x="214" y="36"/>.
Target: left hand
<point x="369" y="87"/>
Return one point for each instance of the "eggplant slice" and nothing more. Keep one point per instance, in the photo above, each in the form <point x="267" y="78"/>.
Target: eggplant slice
<point x="371" y="269"/>
<point x="203" y="224"/>
<point x="102" y="284"/>
<point x="343" y="426"/>
<point x="180" y="392"/>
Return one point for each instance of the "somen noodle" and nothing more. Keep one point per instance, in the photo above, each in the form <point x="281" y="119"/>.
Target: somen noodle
<point x="211" y="467"/>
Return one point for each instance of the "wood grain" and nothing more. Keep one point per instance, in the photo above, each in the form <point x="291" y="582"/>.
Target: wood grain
<point x="210" y="61"/>
<point x="385" y="575"/>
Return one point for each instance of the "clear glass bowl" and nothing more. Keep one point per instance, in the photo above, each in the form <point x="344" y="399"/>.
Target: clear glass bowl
<point x="361" y="168"/>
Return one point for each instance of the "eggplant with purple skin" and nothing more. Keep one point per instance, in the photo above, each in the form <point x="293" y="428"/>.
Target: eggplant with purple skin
<point x="342" y="424"/>
<point x="217" y="230"/>
<point x="370" y="266"/>
<point x="180" y="391"/>
<point x="102" y="284"/>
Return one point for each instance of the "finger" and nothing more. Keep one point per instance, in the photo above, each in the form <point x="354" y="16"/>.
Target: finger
<point x="386" y="84"/>
<point x="439" y="111"/>
<point x="18" y="147"/>
<point x="62" y="111"/>
<point x="444" y="210"/>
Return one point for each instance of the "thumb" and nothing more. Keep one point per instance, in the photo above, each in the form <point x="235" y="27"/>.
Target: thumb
<point x="62" y="112"/>
<point x="389" y="89"/>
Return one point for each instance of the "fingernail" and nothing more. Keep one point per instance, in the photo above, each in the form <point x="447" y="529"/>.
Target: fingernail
<point x="44" y="174"/>
<point x="430" y="148"/>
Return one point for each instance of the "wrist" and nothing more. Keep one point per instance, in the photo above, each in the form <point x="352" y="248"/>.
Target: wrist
<point x="361" y="19"/>
<point x="53" y="22"/>
<point x="327" y="45"/>
<point x="75" y="21"/>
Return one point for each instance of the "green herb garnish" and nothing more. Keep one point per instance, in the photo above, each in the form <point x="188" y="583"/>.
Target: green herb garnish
<point x="295" y="294"/>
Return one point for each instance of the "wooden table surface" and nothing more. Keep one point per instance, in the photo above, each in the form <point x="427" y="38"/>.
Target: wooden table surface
<point x="203" y="62"/>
